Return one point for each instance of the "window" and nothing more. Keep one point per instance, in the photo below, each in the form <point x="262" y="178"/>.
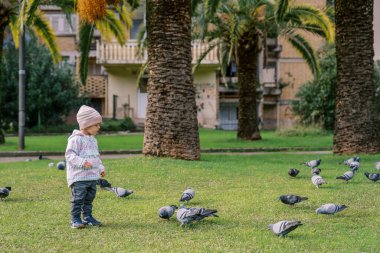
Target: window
<point x="137" y="23"/>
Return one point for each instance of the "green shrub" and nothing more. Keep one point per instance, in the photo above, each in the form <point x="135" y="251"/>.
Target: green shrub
<point x="316" y="104"/>
<point x="118" y="125"/>
<point x="299" y="130"/>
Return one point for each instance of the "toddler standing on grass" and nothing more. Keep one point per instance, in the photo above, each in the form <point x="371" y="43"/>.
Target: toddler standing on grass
<point x="84" y="167"/>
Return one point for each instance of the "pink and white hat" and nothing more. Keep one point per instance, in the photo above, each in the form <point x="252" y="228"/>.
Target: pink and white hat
<point x="88" y="116"/>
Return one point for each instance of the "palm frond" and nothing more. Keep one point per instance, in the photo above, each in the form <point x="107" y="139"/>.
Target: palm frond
<point x="211" y="6"/>
<point x="307" y="52"/>
<point x="42" y="28"/>
<point x="126" y="15"/>
<point x="194" y="5"/>
<point x="14" y="26"/>
<point x="86" y="32"/>
<point x="281" y="9"/>
<point x="31" y="8"/>
<point x="134" y="4"/>
<point x="141" y="73"/>
<point x="303" y="14"/>
<point x="110" y="25"/>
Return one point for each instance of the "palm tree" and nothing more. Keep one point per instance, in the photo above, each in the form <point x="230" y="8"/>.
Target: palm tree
<point x="356" y="125"/>
<point x="240" y="29"/>
<point x="97" y="14"/>
<point x="171" y="127"/>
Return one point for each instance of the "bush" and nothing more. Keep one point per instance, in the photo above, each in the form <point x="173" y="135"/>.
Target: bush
<point x="317" y="98"/>
<point x="118" y="125"/>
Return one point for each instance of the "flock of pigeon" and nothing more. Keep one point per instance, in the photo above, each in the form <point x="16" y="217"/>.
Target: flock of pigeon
<point x="194" y="214"/>
<point x="284" y="227"/>
<point x="186" y="215"/>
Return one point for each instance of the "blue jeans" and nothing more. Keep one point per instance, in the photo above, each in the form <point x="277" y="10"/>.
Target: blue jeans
<point x="82" y="195"/>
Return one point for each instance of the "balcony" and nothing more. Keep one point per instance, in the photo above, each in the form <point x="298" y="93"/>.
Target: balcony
<point x="114" y="53"/>
<point x="95" y="86"/>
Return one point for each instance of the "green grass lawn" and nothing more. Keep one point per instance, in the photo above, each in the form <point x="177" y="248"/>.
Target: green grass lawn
<point x="244" y="189"/>
<point x="208" y="138"/>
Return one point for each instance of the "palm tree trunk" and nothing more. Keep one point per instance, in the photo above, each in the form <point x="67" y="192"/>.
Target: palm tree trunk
<point x="171" y="127"/>
<point x="247" y="54"/>
<point x="356" y="126"/>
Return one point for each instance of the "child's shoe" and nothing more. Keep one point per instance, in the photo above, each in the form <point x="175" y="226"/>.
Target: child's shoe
<point x="91" y="221"/>
<point x="77" y="223"/>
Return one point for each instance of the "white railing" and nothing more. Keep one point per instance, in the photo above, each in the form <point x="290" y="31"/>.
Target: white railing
<point x="114" y="53"/>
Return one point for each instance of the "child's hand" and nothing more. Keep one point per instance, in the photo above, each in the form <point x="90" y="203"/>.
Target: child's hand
<point x="87" y="165"/>
<point x="103" y="173"/>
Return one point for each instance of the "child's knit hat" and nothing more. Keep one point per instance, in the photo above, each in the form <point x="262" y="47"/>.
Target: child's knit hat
<point x="88" y="116"/>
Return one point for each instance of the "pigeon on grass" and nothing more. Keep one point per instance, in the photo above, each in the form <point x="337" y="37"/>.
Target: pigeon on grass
<point x="372" y="176"/>
<point x="316" y="171"/>
<point x="284" y="227"/>
<point x="166" y="212"/>
<point x="194" y="214"/>
<point x="317" y="180"/>
<point x="187" y="195"/>
<point x="312" y="163"/>
<point x="120" y="192"/>
<point x="351" y="160"/>
<point x="330" y="208"/>
<point x="377" y="165"/>
<point x="293" y="172"/>
<point x="4" y="192"/>
<point x="292" y="199"/>
<point x="354" y="166"/>
<point x="348" y="175"/>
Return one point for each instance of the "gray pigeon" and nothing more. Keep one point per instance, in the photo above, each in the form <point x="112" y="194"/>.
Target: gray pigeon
<point x="330" y="209"/>
<point x="377" y="165"/>
<point x="351" y="160"/>
<point x="293" y="172"/>
<point x="372" y="176"/>
<point x="291" y="199"/>
<point x="317" y="180"/>
<point x="354" y="166"/>
<point x="312" y="163"/>
<point x="120" y="192"/>
<point x="284" y="227"/>
<point x="4" y="192"/>
<point x="187" y="195"/>
<point x="316" y="171"/>
<point x="166" y="212"/>
<point x="348" y="175"/>
<point x="193" y="214"/>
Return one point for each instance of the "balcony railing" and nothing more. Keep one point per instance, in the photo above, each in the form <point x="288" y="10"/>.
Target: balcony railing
<point x="114" y="53"/>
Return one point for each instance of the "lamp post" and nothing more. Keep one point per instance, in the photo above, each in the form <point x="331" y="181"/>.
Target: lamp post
<point x="21" y="87"/>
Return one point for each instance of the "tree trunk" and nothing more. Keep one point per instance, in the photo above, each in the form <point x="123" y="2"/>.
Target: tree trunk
<point x="171" y="127"/>
<point x="356" y="127"/>
<point x="247" y="54"/>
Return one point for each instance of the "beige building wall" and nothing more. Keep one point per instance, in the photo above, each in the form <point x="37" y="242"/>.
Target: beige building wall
<point x="124" y="86"/>
<point x="207" y="94"/>
<point x="66" y="44"/>
<point x="376" y="27"/>
<point x="294" y="72"/>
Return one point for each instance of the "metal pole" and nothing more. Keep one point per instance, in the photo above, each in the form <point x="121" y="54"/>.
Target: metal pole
<point x="21" y="89"/>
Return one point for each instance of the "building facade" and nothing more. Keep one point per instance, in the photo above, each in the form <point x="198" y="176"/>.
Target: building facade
<point x="113" y="70"/>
